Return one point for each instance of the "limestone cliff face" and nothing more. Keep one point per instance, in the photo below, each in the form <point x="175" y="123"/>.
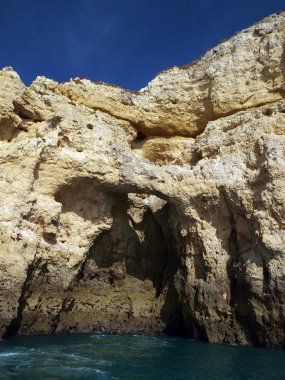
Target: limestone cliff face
<point x="156" y="211"/>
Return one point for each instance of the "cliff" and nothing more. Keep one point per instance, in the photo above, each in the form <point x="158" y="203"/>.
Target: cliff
<point x="155" y="211"/>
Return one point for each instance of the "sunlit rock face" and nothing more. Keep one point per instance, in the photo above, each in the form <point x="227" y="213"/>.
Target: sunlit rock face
<point x="156" y="211"/>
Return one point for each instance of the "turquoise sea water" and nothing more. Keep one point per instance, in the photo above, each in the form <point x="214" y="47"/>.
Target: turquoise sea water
<point x="85" y="356"/>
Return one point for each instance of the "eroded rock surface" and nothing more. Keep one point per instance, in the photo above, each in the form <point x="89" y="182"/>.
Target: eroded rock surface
<point x="156" y="211"/>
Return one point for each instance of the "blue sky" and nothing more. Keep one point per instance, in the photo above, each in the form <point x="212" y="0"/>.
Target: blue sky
<point x="125" y="42"/>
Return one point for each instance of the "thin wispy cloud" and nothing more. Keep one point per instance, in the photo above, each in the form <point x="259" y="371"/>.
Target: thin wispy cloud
<point x="86" y="38"/>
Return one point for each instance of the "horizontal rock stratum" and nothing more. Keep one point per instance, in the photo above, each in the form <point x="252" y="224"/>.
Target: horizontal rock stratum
<point x="155" y="211"/>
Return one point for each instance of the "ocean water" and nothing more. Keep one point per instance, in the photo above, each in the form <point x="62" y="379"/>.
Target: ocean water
<point x="89" y="356"/>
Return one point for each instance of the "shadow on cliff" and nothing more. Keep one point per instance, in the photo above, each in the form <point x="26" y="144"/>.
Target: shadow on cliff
<point x="256" y="303"/>
<point x="141" y="243"/>
<point x="141" y="247"/>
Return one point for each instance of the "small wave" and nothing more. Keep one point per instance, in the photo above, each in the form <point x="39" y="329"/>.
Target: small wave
<point x="87" y="370"/>
<point x="104" y="362"/>
<point x="9" y="354"/>
<point x="75" y="356"/>
<point x="98" y="336"/>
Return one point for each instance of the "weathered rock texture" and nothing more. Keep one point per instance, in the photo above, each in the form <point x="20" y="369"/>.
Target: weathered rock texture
<point x="156" y="211"/>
